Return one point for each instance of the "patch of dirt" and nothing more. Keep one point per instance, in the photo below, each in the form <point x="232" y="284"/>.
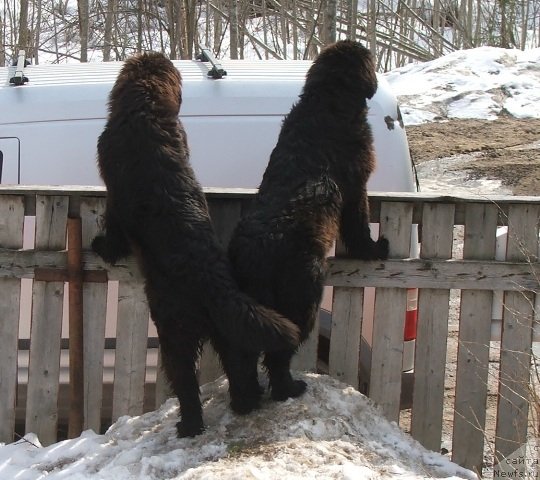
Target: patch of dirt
<point x="509" y="148"/>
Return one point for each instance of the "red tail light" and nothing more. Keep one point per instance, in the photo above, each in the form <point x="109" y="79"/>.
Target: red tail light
<point x="411" y="315"/>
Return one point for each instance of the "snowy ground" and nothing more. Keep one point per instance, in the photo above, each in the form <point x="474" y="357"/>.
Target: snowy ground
<point x="479" y="83"/>
<point x="332" y="432"/>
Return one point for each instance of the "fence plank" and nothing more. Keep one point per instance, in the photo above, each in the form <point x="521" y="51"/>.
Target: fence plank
<point x="473" y="345"/>
<point x="432" y="332"/>
<point x="343" y="272"/>
<point x="131" y="341"/>
<point x="516" y="342"/>
<point x="389" y="317"/>
<point x="11" y="236"/>
<point x="305" y="359"/>
<point x="347" y="311"/>
<point x="94" y="314"/>
<point x="46" y="329"/>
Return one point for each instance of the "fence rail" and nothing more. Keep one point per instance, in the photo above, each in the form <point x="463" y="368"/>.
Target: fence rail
<point x="125" y="379"/>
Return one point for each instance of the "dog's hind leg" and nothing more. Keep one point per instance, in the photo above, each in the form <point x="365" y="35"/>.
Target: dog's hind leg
<point x="241" y="370"/>
<point x="282" y="384"/>
<point x="179" y="356"/>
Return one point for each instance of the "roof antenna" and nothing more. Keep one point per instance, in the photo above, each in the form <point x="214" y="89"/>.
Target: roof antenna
<point x="217" y="70"/>
<point x="19" y="78"/>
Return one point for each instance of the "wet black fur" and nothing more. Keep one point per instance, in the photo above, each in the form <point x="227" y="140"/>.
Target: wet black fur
<point x="313" y="188"/>
<point x="156" y="209"/>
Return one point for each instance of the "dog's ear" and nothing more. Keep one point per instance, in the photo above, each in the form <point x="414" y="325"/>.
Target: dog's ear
<point x="368" y="78"/>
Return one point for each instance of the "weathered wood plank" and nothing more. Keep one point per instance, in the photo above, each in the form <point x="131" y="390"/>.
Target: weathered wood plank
<point x="94" y="314"/>
<point x="11" y="236"/>
<point x="444" y="274"/>
<point x="163" y="388"/>
<point x="514" y="376"/>
<point x="389" y="317"/>
<point x="347" y="311"/>
<point x="432" y="332"/>
<point x="348" y="273"/>
<point x="473" y="347"/>
<point x="130" y="358"/>
<point x="45" y="335"/>
<point x="305" y="359"/>
<point x="410" y="197"/>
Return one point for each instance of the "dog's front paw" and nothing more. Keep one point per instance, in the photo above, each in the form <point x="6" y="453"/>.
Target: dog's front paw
<point x="100" y="246"/>
<point x="382" y="248"/>
<point x="371" y="250"/>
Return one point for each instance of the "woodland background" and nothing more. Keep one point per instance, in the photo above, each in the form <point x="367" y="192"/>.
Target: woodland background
<point x="397" y="31"/>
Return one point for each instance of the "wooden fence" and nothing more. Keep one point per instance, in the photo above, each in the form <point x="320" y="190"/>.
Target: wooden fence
<point x="35" y="396"/>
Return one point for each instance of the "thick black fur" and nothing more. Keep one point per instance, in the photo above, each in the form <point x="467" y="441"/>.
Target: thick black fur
<point x="156" y="209"/>
<point x="313" y="188"/>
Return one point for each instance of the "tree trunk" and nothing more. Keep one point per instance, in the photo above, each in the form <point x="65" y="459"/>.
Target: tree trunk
<point x="107" y="36"/>
<point x="24" y="41"/>
<point x="233" y="28"/>
<point x="83" y="28"/>
<point x="353" y="19"/>
<point x="329" y="22"/>
<point x="2" y="39"/>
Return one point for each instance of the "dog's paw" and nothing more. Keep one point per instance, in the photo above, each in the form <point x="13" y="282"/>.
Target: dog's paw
<point x="292" y="390"/>
<point x="243" y="406"/>
<point x="189" y="429"/>
<point x="382" y="248"/>
<point x="101" y="247"/>
<point x="371" y="251"/>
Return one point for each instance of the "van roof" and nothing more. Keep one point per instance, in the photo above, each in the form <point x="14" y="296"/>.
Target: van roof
<point x="80" y="91"/>
<point x="192" y="71"/>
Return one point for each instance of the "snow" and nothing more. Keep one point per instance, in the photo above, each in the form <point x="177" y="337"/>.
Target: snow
<point x="478" y="83"/>
<point x="331" y="432"/>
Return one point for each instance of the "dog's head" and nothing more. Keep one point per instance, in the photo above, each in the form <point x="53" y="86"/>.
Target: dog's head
<point x="344" y="64"/>
<point x="148" y="80"/>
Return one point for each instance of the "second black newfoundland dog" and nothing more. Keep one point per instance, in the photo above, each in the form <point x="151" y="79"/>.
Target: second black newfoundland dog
<point x="313" y="188"/>
<point x="156" y="209"/>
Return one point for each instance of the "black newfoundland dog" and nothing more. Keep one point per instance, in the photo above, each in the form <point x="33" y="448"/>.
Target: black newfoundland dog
<point x="313" y="188"/>
<point x="156" y="209"/>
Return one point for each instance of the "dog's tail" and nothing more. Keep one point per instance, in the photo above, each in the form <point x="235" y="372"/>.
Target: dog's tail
<point x="248" y="324"/>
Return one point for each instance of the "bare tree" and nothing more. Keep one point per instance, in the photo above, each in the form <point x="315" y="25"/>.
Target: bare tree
<point x="23" y="42"/>
<point x="83" y="6"/>
<point x="233" y="28"/>
<point x="3" y="39"/>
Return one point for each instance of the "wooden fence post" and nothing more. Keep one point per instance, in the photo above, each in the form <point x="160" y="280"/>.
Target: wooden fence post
<point x="11" y="236"/>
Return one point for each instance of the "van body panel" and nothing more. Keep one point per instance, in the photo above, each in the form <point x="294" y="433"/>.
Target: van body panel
<point x="232" y="123"/>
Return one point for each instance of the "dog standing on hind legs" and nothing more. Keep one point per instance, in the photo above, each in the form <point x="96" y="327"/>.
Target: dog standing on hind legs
<point x="313" y="188"/>
<point x="157" y="210"/>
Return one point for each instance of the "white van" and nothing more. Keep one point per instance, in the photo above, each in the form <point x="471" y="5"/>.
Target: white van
<point x="49" y="127"/>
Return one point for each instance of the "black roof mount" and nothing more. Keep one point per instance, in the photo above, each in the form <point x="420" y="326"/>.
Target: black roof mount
<point x="217" y="71"/>
<point x="19" y="78"/>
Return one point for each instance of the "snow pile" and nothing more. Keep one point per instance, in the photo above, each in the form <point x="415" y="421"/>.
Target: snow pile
<point x="332" y="432"/>
<point x="479" y="83"/>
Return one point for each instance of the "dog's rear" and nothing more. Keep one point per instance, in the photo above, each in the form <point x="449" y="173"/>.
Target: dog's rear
<point x="156" y="208"/>
<point x="314" y="185"/>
